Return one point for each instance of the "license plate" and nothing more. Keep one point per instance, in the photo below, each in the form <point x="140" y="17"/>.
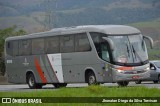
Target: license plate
<point x="135" y="77"/>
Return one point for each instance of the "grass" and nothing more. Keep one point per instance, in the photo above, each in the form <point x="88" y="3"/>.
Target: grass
<point x="153" y="24"/>
<point x="91" y="91"/>
<point x="154" y="54"/>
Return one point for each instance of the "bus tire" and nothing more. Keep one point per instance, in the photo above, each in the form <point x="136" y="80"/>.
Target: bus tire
<point x="155" y="81"/>
<point x="32" y="82"/>
<point x="123" y="83"/>
<point x="59" y="85"/>
<point x="91" y="79"/>
<point x="138" y="82"/>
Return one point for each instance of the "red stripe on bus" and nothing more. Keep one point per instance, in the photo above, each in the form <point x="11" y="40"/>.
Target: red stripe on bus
<point x="52" y="68"/>
<point x="125" y="68"/>
<point x="39" y="70"/>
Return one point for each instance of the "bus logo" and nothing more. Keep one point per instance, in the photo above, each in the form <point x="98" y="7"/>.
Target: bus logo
<point x="25" y="62"/>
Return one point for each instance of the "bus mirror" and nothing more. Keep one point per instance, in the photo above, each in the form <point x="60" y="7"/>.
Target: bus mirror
<point x="150" y="40"/>
<point x="110" y="42"/>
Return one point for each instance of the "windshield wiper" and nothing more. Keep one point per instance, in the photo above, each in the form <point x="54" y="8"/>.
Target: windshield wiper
<point x="128" y="50"/>
<point x="136" y="54"/>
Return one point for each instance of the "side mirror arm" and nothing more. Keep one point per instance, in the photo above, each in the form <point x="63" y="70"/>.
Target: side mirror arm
<point x="150" y="40"/>
<point x="110" y="42"/>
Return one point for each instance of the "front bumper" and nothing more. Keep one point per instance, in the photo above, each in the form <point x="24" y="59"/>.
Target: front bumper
<point x="117" y="77"/>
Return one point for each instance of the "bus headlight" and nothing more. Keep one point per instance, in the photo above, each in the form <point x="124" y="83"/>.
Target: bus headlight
<point x="120" y="71"/>
<point x="147" y="69"/>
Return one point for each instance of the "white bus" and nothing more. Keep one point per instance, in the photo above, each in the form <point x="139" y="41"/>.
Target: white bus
<point x="90" y="54"/>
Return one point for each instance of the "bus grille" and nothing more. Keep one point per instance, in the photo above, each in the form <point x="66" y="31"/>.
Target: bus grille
<point x="133" y="72"/>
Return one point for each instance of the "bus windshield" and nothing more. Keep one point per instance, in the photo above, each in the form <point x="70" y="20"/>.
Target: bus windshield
<point x="129" y="49"/>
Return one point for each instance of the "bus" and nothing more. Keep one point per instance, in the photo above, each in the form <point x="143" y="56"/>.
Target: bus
<point x="92" y="54"/>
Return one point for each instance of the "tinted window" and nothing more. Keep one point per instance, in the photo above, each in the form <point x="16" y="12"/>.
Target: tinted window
<point x="24" y="47"/>
<point x="38" y="46"/>
<point x="101" y="46"/>
<point x="52" y="45"/>
<point x="15" y="48"/>
<point x="82" y="43"/>
<point x="67" y="43"/>
<point x="9" y="48"/>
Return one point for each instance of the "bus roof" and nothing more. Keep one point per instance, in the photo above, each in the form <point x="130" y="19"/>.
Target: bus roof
<point x="107" y="29"/>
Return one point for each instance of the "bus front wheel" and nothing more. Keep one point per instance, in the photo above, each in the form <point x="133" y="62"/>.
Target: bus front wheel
<point x="91" y="79"/>
<point x="32" y="82"/>
<point x="138" y="82"/>
<point x="123" y="83"/>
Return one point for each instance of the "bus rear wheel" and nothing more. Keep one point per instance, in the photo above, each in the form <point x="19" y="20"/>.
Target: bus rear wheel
<point x="123" y="83"/>
<point x="32" y="82"/>
<point x="59" y="85"/>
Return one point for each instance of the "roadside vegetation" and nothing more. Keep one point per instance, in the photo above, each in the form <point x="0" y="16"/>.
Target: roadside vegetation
<point x="154" y="54"/>
<point x="151" y="28"/>
<point x="90" y="91"/>
<point x="152" y="24"/>
<point x="4" y="33"/>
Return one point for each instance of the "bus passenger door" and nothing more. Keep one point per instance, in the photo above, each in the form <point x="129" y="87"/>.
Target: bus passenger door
<point x="107" y="72"/>
<point x="105" y="55"/>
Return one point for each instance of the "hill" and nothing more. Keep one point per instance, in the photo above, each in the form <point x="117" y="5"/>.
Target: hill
<point x="21" y="22"/>
<point x="150" y="28"/>
<point x="75" y="12"/>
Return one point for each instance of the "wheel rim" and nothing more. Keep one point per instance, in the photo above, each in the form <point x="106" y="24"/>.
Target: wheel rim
<point x="91" y="80"/>
<point x="137" y="82"/>
<point x="31" y="81"/>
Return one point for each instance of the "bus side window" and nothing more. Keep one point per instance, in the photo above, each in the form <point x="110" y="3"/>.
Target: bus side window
<point x="82" y="43"/>
<point x="9" y="48"/>
<point x="96" y="40"/>
<point x="15" y="48"/>
<point x="101" y="46"/>
<point x="38" y="46"/>
<point x="67" y="43"/>
<point x="105" y="53"/>
<point x="24" y="47"/>
<point x="52" y="45"/>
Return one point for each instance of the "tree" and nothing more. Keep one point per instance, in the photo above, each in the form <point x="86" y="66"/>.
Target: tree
<point x="4" y="33"/>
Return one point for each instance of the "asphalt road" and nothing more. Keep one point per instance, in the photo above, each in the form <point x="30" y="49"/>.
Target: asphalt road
<point x="24" y="87"/>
